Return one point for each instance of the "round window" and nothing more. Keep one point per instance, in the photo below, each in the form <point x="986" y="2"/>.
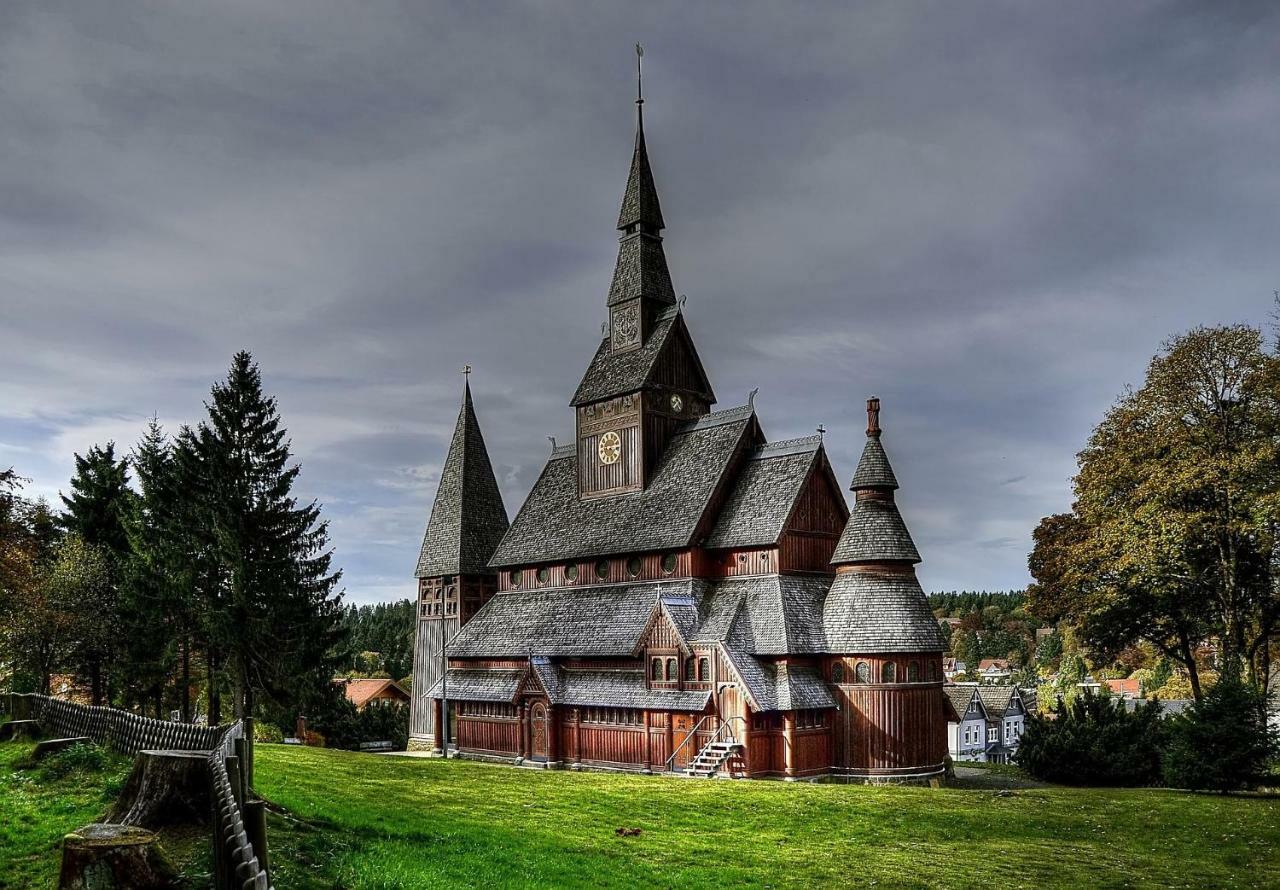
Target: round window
<point x="602" y="569"/>
<point x="516" y="576"/>
<point x="633" y="566"/>
<point x="571" y="572"/>
<point x="544" y="575"/>
<point x="669" y="563"/>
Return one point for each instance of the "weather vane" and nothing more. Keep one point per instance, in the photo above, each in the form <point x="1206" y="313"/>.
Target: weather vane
<point x="639" y="75"/>
<point x="466" y="370"/>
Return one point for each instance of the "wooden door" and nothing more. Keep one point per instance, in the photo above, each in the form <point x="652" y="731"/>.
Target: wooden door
<point x="538" y="733"/>
<point x="681" y="726"/>
<point x="729" y="703"/>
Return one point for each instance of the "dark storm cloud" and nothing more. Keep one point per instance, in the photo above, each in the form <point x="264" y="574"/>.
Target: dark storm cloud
<point x="990" y="215"/>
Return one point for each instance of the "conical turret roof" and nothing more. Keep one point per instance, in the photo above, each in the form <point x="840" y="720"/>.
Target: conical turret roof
<point x="468" y="518"/>
<point x="875" y="531"/>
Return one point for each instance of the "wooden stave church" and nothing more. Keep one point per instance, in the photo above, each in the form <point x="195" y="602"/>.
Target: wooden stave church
<point x="676" y="593"/>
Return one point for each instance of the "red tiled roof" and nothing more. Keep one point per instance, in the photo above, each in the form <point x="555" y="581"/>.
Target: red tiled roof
<point x="1125" y="687"/>
<point x="997" y="663"/>
<point x="361" y="692"/>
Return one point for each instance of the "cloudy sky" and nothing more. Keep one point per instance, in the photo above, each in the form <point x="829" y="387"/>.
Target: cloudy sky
<point x="988" y="214"/>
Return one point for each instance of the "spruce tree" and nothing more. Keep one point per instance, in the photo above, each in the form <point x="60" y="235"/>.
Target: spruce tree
<point x="279" y="619"/>
<point x="151" y="605"/>
<point x="96" y="512"/>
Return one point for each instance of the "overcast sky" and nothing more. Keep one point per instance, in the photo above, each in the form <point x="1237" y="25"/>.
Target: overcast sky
<point x="988" y="214"/>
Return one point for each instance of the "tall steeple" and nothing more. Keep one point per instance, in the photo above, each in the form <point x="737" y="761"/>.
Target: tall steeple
<point x="468" y="518"/>
<point x="641" y="286"/>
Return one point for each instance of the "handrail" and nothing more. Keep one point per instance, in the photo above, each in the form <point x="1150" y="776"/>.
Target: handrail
<point x="725" y="722"/>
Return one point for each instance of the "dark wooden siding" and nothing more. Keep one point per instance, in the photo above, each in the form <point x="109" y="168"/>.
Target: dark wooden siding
<point x="889" y="727"/>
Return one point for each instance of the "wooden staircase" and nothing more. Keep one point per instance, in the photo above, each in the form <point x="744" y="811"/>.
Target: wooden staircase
<point x="712" y="758"/>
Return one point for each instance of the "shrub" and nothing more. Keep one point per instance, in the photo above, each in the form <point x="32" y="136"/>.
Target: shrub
<point x="83" y="758"/>
<point x="1221" y="743"/>
<point x="1094" y="741"/>
<point x="267" y="732"/>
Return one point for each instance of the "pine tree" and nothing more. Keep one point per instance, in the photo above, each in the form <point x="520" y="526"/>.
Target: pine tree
<point x="1222" y="742"/>
<point x="150" y="602"/>
<point x="96" y="513"/>
<point x="279" y="617"/>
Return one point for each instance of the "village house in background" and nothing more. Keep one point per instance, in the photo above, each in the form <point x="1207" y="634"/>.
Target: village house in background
<point x="362" y="692"/>
<point x="987" y="721"/>
<point x="994" y="670"/>
<point x="677" y="593"/>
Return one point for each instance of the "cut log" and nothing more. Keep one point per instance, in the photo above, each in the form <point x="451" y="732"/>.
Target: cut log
<point x="102" y="857"/>
<point x="19" y="729"/>
<point x="165" y="788"/>
<point x="52" y="746"/>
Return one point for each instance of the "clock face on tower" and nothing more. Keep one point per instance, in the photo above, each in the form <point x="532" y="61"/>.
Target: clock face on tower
<point x="610" y="448"/>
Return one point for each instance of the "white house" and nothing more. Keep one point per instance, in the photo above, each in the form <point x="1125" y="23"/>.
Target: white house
<point x="966" y="735"/>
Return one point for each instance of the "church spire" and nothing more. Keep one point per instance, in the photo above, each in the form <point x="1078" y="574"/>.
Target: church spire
<point x="640" y="208"/>
<point x="875" y="533"/>
<point x="641" y="286"/>
<point x="468" y="517"/>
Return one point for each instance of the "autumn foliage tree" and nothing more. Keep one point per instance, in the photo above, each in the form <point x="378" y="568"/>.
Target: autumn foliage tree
<point x="1173" y="534"/>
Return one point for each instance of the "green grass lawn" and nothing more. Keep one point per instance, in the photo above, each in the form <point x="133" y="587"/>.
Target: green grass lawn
<point x="41" y="803"/>
<point x="363" y="821"/>
<point x="38" y="805"/>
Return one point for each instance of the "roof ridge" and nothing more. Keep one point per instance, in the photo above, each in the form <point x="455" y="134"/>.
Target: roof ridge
<point x="785" y="447"/>
<point x="717" y="418"/>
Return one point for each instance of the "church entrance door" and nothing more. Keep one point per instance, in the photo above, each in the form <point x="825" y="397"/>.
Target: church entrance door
<point x="538" y="731"/>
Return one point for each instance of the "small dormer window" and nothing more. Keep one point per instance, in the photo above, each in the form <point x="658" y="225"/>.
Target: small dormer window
<point x="516" y="577"/>
<point x="671" y="670"/>
<point x="633" y="566"/>
<point x="690" y="669"/>
<point x="544" y="575"/>
<point x="704" y="668"/>
<point x="571" y="572"/>
<point x="655" y="669"/>
<point x="602" y="569"/>
<point x="669" y="563"/>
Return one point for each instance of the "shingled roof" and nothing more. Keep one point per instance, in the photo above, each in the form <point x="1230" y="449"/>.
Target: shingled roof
<point x="640" y="197"/>
<point x="468" y="518"/>
<point x="879" y="612"/>
<point x="641" y="271"/>
<point x="960" y="696"/>
<point x="875" y="532"/>
<point x="605" y="620"/>
<point x="873" y="468"/>
<point x="555" y="524"/>
<point x="764" y="615"/>
<point x="765" y="493"/>
<point x="613" y="374"/>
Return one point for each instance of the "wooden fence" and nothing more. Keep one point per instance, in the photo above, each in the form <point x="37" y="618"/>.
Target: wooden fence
<point x="238" y="827"/>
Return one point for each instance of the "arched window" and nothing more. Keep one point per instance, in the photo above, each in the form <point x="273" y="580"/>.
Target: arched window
<point x="671" y="669"/>
<point x="690" y="667"/>
<point x="933" y="670"/>
<point x="655" y="669"/>
<point x="889" y="672"/>
<point x="837" y="672"/>
<point x="913" y="672"/>
<point x="704" y="669"/>
<point x="862" y="672"/>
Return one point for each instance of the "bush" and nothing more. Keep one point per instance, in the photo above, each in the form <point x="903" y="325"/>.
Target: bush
<point x="267" y="732"/>
<point x="1221" y="743"/>
<point x="1095" y="741"/>
<point x="79" y="758"/>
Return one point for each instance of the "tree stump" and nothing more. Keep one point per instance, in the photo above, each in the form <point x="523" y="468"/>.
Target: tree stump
<point x="165" y="788"/>
<point x="19" y="729"/>
<point x="45" y="747"/>
<point x="103" y="857"/>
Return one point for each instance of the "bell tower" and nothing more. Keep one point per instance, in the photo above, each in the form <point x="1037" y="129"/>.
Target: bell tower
<point x="646" y="378"/>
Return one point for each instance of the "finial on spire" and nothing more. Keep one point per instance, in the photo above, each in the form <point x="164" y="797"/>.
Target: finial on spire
<point x="639" y="75"/>
<point x="873" y="416"/>
<point x="751" y="398"/>
<point x="466" y="371"/>
<point x="822" y="431"/>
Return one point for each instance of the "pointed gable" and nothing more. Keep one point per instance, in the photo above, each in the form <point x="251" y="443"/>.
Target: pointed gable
<point x="670" y="346"/>
<point x="468" y="518"/>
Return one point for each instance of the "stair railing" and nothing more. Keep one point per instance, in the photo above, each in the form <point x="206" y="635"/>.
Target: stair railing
<point x="693" y="734"/>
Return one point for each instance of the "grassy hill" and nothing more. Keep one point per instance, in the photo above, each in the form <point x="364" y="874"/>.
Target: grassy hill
<point x="360" y="821"/>
<point x="367" y="821"/>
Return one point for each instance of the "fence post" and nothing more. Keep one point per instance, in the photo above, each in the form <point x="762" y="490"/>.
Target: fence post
<point x="233" y="773"/>
<point x="255" y="826"/>
<point x="248" y="754"/>
<point x="241" y="748"/>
